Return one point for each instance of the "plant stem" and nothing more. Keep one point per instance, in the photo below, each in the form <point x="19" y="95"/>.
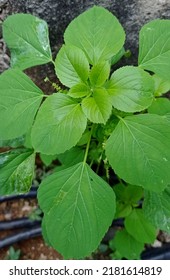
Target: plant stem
<point x="88" y="145"/>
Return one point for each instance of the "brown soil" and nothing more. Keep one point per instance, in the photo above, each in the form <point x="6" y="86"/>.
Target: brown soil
<point x="32" y="249"/>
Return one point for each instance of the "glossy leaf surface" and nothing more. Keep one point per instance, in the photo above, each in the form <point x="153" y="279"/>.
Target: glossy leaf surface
<point x="97" y="32"/>
<point x="154" y="47"/>
<point x="131" y="89"/>
<point x="139" y="151"/>
<point x="19" y="102"/>
<point x="78" y="204"/>
<point x="27" y="39"/>
<point x="59" y="125"/>
<point x="16" y="171"/>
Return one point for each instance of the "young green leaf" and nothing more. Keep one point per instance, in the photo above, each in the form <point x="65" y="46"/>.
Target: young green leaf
<point x="19" y="102"/>
<point x="97" y="108"/>
<point x="78" y="204"/>
<point x="128" y="194"/>
<point x="97" y="32"/>
<point x="16" y="171"/>
<point x="154" y="47"/>
<point x="160" y="106"/>
<point x="59" y="125"/>
<point x="139" y="227"/>
<point x="127" y="246"/>
<point x="131" y="89"/>
<point x="139" y="151"/>
<point x="99" y="73"/>
<point x="156" y="209"/>
<point x="79" y="90"/>
<point x="27" y="39"/>
<point x="122" y="210"/>
<point x="71" y="66"/>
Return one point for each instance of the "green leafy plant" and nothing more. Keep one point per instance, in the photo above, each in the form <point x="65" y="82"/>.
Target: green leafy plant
<point x="13" y="254"/>
<point x="100" y="121"/>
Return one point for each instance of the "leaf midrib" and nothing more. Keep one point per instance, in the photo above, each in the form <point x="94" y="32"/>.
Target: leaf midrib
<point x="27" y="42"/>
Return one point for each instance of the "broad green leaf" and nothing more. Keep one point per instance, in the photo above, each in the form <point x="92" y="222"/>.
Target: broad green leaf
<point x="27" y="38"/>
<point x="97" y="32"/>
<point x="99" y="73"/>
<point x="59" y="125"/>
<point x="79" y="90"/>
<point x="19" y="102"/>
<point x="127" y="246"/>
<point x="97" y="107"/>
<point x="79" y="207"/>
<point x="44" y="232"/>
<point x="139" y="227"/>
<point x="71" y="66"/>
<point x="154" y="47"/>
<point x="131" y="89"/>
<point x="156" y="209"/>
<point x="160" y="106"/>
<point x="16" y="171"/>
<point x="161" y="86"/>
<point x="139" y="151"/>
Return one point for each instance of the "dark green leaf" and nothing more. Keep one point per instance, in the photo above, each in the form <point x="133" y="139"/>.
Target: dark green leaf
<point x="59" y="125"/>
<point x="19" y="102"/>
<point x="156" y="209"/>
<point x="160" y="106"/>
<point x="154" y="47"/>
<point x="71" y="157"/>
<point x="131" y="89"/>
<point x="128" y="194"/>
<point x="71" y="66"/>
<point x="127" y="246"/>
<point x="139" y="227"/>
<point x="122" y="210"/>
<point x="139" y="151"/>
<point x="79" y="207"/>
<point x="47" y="159"/>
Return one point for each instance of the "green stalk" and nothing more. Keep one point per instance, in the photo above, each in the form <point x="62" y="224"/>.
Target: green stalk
<point x="88" y="145"/>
